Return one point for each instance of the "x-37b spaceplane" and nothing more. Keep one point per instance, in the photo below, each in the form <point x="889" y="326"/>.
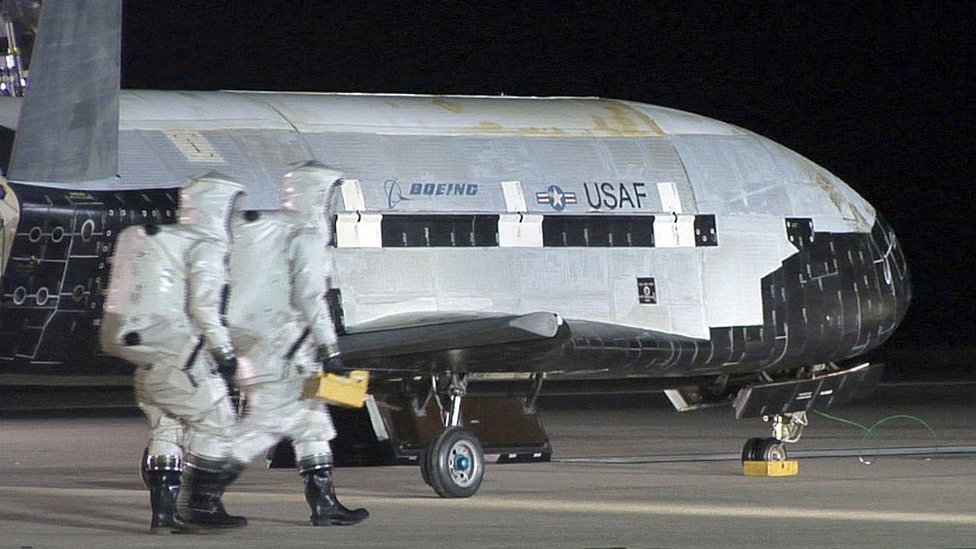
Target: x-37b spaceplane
<point x="487" y="249"/>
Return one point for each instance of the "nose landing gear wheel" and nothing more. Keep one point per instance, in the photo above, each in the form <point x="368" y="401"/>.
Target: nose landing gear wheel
<point x="764" y="449"/>
<point x="454" y="463"/>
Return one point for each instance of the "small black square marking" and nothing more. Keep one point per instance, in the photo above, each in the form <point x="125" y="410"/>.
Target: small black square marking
<point x="646" y="294"/>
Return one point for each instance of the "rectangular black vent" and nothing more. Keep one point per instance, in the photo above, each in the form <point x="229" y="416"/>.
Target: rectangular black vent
<point x="594" y="231"/>
<point x="442" y="231"/>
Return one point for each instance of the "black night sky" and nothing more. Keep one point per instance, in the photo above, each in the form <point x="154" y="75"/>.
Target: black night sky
<point x="880" y="93"/>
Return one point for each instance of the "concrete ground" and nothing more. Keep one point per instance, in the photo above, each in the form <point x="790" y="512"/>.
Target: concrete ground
<point x="627" y="472"/>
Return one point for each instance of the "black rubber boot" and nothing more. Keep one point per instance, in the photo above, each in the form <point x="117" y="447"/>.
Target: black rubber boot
<point x="164" y="488"/>
<point x="201" y="509"/>
<point x="161" y="474"/>
<point x="321" y="497"/>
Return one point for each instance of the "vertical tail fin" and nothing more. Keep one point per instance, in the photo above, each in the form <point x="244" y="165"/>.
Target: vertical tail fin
<point x="69" y="124"/>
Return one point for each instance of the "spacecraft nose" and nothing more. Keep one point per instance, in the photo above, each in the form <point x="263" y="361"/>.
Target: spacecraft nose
<point x="896" y="290"/>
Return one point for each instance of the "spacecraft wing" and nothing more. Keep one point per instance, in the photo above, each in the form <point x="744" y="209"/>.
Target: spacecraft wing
<point x="423" y="341"/>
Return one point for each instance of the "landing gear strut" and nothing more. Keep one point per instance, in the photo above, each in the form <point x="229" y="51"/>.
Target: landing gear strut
<point x="453" y="464"/>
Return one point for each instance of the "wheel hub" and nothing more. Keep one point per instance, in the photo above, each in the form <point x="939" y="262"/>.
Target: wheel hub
<point x="460" y="464"/>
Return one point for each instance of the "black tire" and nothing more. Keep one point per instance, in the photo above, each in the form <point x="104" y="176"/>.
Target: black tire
<point x="771" y="449"/>
<point x="749" y="450"/>
<point x="456" y="463"/>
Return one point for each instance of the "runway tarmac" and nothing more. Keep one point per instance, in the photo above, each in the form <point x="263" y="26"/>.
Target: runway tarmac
<point x="627" y="472"/>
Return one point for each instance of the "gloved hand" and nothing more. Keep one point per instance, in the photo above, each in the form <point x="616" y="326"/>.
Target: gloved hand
<point x="227" y="366"/>
<point x="331" y="360"/>
<point x="226" y="361"/>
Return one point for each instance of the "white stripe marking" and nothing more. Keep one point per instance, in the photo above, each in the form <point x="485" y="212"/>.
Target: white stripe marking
<point x="614" y="508"/>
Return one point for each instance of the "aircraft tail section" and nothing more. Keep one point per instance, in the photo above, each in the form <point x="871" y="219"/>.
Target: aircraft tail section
<point x="68" y="130"/>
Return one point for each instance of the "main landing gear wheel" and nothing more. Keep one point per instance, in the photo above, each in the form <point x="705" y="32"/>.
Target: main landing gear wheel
<point x="764" y="449"/>
<point x="454" y="463"/>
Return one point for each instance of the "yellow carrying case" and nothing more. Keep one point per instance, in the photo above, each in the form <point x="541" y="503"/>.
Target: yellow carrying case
<point x="346" y="391"/>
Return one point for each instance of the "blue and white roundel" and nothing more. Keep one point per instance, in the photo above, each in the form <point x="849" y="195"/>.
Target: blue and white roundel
<point x="555" y="197"/>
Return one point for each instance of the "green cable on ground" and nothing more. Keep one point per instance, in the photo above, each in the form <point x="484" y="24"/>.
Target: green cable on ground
<point x="869" y="431"/>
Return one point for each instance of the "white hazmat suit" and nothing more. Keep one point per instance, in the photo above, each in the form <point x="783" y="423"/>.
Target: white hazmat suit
<point x="281" y="326"/>
<point x="163" y="313"/>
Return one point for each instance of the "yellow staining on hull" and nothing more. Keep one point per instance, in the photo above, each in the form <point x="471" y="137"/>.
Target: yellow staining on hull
<point x="607" y="119"/>
<point x="450" y="106"/>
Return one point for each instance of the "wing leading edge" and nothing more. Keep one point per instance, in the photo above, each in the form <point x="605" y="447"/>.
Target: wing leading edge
<point x="457" y="342"/>
<point x="479" y="343"/>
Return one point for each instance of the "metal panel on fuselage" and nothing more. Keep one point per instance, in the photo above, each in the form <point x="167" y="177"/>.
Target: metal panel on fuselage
<point x="403" y="174"/>
<point x="255" y="157"/>
<point x="591" y="169"/>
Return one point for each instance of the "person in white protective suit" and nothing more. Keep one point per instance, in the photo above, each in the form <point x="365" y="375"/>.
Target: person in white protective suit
<point x="284" y="332"/>
<point x="183" y="354"/>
